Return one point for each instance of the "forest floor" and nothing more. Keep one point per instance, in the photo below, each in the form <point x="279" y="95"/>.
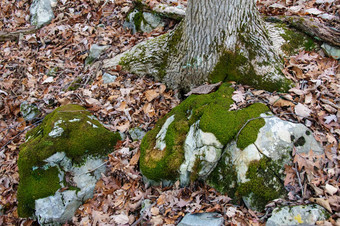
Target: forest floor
<point x="40" y="67"/>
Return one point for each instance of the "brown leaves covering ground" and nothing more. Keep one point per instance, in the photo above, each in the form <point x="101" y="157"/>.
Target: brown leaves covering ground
<point x="40" y="67"/>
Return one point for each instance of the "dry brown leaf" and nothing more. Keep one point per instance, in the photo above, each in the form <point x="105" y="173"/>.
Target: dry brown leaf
<point x="151" y="94"/>
<point x="204" y="89"/>
<point x="322" y="202"/>
<point x="134" y="160"/>
<point x="330" y="189"/>
<point x="302" y="110"/>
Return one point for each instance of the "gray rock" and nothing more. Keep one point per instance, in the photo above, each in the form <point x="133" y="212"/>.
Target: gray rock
<point x="95" y="52"/>
<point x="331" y="51"/>
<point x="41" y="12"/>
<point x="297" y="215"/>
<point x="275" y="142"/>
<point x="57" y="209"/>
<point x="143" y="21"/>
<point x="202" y="219"/>
<point x="136" y="133"/>
<point x="60" y="207"/>
<point x="202" y="147"/>
<point x="29" y="111"/>
<point x="108" y="78"/>
<point x="67" y="151"/>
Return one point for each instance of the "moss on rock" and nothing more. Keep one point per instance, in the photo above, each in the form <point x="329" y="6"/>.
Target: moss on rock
<point x="70" y="129"/>
<point x="212" y="111"/>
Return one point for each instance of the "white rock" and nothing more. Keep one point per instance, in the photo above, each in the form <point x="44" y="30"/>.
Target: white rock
<point x="199" y="146"/>
<point x="60" y="207"/>
<point x="41" y="12"/>
<point x="202" y="219"/>
<point x="160" y="142"/>
<point x="57" y="131"/>
<point x="306" y="215"/>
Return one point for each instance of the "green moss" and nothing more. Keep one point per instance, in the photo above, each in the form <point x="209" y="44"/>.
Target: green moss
<point x="39" y="184"/>
<point x="78" y="140"/>
<point x="212" y="111"/>
<point x="229" y="67"/>
<point x="224" y="178"/>
<point x="75" y="84"/>
<point x="295" y="41"/>
<point x="261" y="186"/>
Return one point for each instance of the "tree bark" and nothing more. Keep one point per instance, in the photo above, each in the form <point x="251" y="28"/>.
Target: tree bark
<point x="219" y="40"/>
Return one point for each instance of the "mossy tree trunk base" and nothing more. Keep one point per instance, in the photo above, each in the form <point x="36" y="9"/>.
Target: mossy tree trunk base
<point x="217" y="41"/>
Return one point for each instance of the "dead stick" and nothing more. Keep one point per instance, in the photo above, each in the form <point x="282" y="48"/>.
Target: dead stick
<point x="14" y="35"/>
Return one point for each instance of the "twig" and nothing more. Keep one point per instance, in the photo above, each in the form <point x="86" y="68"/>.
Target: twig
<point x="299" y="179"/>
<point x="36" y="123"/>
<point x="14" y="35"/>
<point x="104" y="163"/>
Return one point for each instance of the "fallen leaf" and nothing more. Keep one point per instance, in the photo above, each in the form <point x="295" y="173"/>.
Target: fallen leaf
<point x="151" y="94"/>
<point x="302" y="110"/>
<point x="322" y="202"/>
<point x="204" y="89"/>
<point x="331" y="189"/>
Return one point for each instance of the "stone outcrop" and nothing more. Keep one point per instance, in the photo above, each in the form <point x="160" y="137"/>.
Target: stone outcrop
<point x="241" y="153"/>
<point x="60" y="163"/>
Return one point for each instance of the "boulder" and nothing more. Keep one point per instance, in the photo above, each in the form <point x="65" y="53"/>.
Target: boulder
<point x="256" y="172"/>
<point x="199" y="140"/>
<point x="60" y="163"/>
<point x="298" y="215"/>
<point x="202" y="219"/>
<point x="41" y="12"/>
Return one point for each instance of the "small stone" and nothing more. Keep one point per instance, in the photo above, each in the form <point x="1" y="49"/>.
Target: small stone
<point x="202" y="219"/>
<point x="95" y="52"/>
<point x="108" y="78"/>
<point x="29" y="111"/>
<point x="331" y="51"/>
<point x="41" y="12"/>
<point x="307" y="215"/>
<point x="136" y="133"/>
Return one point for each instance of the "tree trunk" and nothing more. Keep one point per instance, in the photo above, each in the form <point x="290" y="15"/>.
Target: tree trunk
<point x="219" y="40"/>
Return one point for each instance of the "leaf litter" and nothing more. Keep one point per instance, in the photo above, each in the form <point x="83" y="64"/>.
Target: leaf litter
<point x="47" y="68"/>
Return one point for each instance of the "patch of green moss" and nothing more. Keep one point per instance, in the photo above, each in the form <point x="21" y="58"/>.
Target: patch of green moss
<point x="224" y="178"/>
<point x="38" y="184"/>
<point x="78" y="140"/>
<point x="295" y="41"/>
<point x="261" y="186"/>
<point x="212" y="111"/>
<point x="75" y="84"/>
<point x="228" y="68"/>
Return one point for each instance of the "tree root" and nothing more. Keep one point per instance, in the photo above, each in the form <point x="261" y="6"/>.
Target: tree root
<point x="310" y="26"/>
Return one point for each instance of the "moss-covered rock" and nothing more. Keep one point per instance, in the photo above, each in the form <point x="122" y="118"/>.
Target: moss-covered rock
<point x="163" y="149"/>
<point x="70" y="130"/>
<point x="256" y="173"/>
<point x="198" y="140"/>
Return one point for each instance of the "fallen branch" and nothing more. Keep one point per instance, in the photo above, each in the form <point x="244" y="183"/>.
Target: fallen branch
<point x="311" y="26"/>
<point x="15" y="35"/>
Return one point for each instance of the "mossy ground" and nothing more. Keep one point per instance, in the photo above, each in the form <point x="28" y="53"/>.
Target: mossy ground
<point x="78" y="140"/>
<point x="212" y="111"/>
